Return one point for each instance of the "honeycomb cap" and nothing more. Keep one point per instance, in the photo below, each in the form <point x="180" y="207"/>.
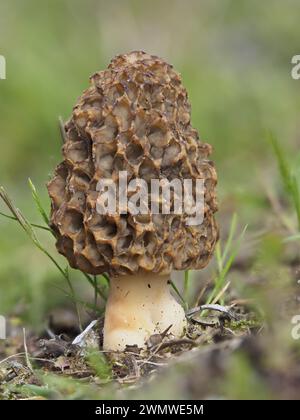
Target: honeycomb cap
<point x="134" y="117"/>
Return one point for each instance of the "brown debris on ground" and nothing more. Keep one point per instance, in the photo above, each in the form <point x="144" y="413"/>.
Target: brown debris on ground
<point x="58" y="354"/>
<point x="219" y="342"/>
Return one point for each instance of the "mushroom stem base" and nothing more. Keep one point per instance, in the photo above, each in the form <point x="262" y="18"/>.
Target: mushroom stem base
<point x="139" y="306"/>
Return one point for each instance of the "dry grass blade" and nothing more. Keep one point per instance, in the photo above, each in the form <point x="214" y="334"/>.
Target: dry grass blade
<point x="62" y="129"/>
<point x="221" y="293"/>
<point x="29" y="365"/>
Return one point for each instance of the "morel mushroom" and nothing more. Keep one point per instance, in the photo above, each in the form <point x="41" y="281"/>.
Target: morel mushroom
<point x="134" y="117"/>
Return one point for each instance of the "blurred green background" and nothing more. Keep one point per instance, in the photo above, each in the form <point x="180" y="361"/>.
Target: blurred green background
<point x="235" y="60"/>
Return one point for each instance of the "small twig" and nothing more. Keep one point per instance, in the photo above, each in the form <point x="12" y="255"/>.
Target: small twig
<point x="241" y="302"/>
<point x="165" y="332"/>
<point x="178" y="342"/>
<point x="22" y="354"/>
<point x="127" y="380"/>
<point x="205" y="322"/>
<point x="147" y="362"/>
<point x="11" y="357"/>
<point x="82" y="373"/>
<point x="212" y="307"/>
<point x="152" y="354"/>
<point x="156" y="339"/>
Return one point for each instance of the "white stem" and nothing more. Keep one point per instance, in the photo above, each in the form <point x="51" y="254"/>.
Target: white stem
<point x="139" y="306"/>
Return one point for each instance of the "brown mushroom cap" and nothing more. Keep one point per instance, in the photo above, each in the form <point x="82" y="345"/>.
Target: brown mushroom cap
<point x="135" y="116"/>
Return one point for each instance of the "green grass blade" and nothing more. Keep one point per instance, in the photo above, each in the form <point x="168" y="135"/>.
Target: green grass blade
<point x="220" y="280"/>
<point x="32" y="224"/>
<point x="282" y="163"/>
<point x="289" y="180"/>
<point x="95" y="286"/>
<point x="186" y="287"/>
<point x="219" y="259"/>
<point x="292" y="238"/>
<point x="38" y="202"/>
<point x="100" y="365"/>
<point x="26" y="226"/>
<point x="232" y="231"/>
<point x="296" y="198"/>
<point x="174" y="287"/>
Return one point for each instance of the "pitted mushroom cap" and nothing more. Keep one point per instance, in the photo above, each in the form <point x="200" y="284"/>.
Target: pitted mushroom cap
<point x="134" y="117"/>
